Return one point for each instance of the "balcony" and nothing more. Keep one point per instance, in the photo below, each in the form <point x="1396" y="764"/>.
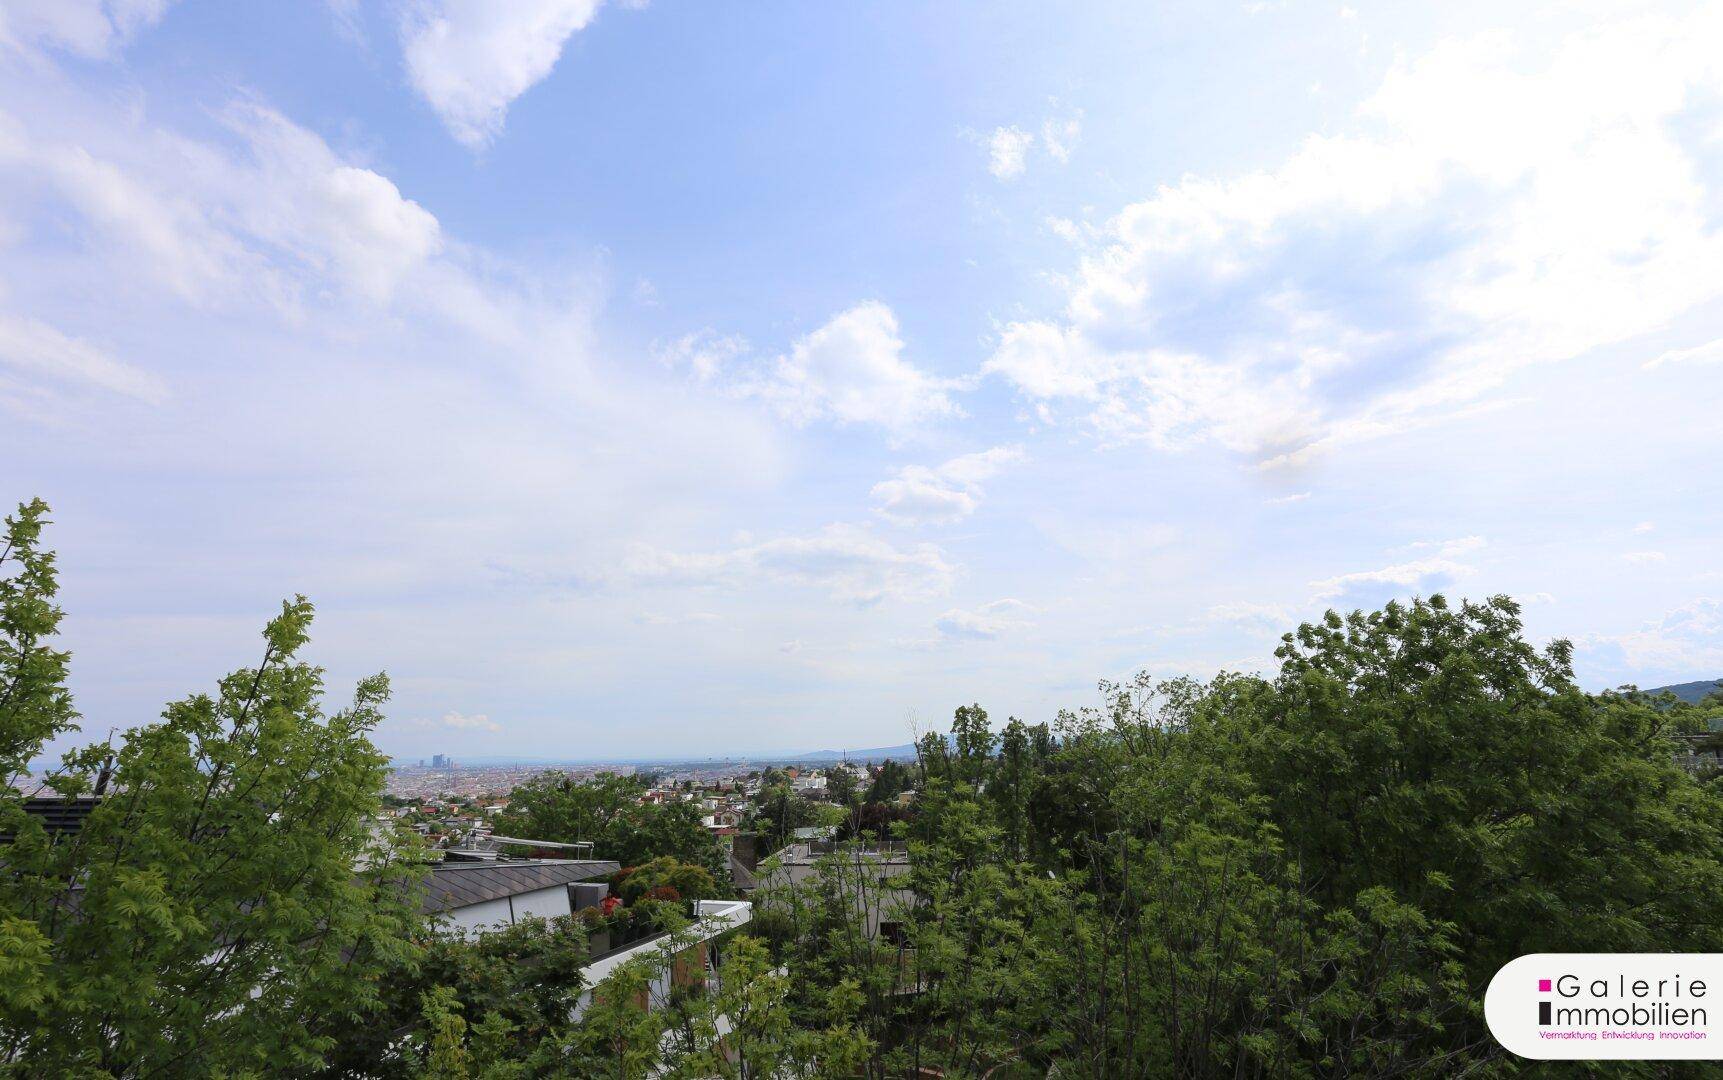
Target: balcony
<point x="664" y="950"/>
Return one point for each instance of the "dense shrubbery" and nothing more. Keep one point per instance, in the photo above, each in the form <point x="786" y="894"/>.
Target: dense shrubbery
<point x="1314" y="874"/>
<point x="685" y="880"/>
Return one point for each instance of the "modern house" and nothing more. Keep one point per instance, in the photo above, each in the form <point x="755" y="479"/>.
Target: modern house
<point x="868" y="869"/>
<point x="473" y="896"/>
<point x="476" y="896"/>
<point x="683" y="959"/>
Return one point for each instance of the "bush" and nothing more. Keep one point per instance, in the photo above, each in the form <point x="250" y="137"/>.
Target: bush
<point x="683" y="879"/>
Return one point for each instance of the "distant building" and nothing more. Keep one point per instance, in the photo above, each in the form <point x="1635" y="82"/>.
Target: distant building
<point x="441" y="761"/>
<point x="722" y="819"/>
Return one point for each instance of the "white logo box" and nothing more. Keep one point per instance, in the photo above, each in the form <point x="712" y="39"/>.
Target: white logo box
<point x="1578" y="1006"/>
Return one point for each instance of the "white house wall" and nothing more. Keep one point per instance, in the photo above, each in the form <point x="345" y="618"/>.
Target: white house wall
<point x="545" y="903"/>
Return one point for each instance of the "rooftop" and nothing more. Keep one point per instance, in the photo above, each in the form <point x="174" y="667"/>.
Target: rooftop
<point x="891" y="852"/>
<point x="459" y="884"/>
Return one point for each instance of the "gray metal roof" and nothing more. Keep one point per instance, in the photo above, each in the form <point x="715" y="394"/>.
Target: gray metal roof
<point x="459" y="884"/>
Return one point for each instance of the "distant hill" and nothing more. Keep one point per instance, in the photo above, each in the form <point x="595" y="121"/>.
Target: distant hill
<point x="1691" y="692"/>
<point x="879" y="753"/>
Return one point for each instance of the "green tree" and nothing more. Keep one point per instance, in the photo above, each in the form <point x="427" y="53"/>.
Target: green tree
<point x="778" y="812"/>
<point x="841" y="786"/>
<point x="208" y="917"/>
<point x="523" y="979"/>
<point x="745" y="1029"/>
<point x="690" y="882"/>
<point x="35" y="705"/>
<point x="607" y="811"/>
<point x="973" y="742"/>
<point x="889" y="781"/>
<point x="617" y="1037"/>
<point x="1432" y="752"/>
<point x="1313" y="874"/>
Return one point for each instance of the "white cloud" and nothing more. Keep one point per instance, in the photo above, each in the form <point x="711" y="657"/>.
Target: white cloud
<point x="1059" y="137"/>
<point x="1481" y="214"/>
<point x="1111" y="546"/>
<point x="850" y="564"/>
<point x="985" y="622"/>
<point x="1287" y="500"/>
<point x="284" y="219"/>
<point x="1249" y="613"/>
<point x="170" y="233"/>
<point x="455" y="721"/>
<point x="1422" y="573"/>
<point x="852" y="370"/>
<point x="89" y="28"/>
<point x="918" y="495"/>
<point x="476" y="722"/>
<point x="654" y="618"/>
<point x="1459" y="545"/>
<point x="706" y="353"/>
<point x="346" y="222"/>
<point x="1685" y="640"/>
<point x="36" y="348"/>
<point x="1044" y="361"/>
<point x="344" y="14"/>
<point x="1064" y="228"/>
<point x="1644" y="527"/>
<point x="1643" y="558"/>
<point x="1006" y="149"/>
<point x="1709" y="353"/>
<point x="470" y="59"/>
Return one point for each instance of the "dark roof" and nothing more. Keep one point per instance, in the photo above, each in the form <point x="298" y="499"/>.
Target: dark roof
<point x="458" y="884"/>
<point x="59" y="816"/>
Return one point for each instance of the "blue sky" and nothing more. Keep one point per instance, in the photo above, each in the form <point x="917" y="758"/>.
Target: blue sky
<point x="679" y="377"/>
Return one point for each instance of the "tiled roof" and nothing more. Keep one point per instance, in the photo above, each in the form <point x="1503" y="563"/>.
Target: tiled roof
<point x="454" y="885"/>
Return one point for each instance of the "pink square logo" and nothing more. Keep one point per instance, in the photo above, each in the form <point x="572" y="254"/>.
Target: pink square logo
<point x="1543" y="986"/>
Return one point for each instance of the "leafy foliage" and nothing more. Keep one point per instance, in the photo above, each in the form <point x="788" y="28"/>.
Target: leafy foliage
<point x="607" y="810"/>
<point x="208" y="917"/>
<point x="439" y="1004"/>
<point x="1310" y="875"/>
<point x="687" y="880"/>
<point x="35" y="705"/>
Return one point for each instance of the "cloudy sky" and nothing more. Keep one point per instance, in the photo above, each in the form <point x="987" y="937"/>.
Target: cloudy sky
<point x="685" y="378"/>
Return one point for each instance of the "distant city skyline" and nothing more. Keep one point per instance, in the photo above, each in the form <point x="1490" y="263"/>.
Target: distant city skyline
<point x="676" y="378"/>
